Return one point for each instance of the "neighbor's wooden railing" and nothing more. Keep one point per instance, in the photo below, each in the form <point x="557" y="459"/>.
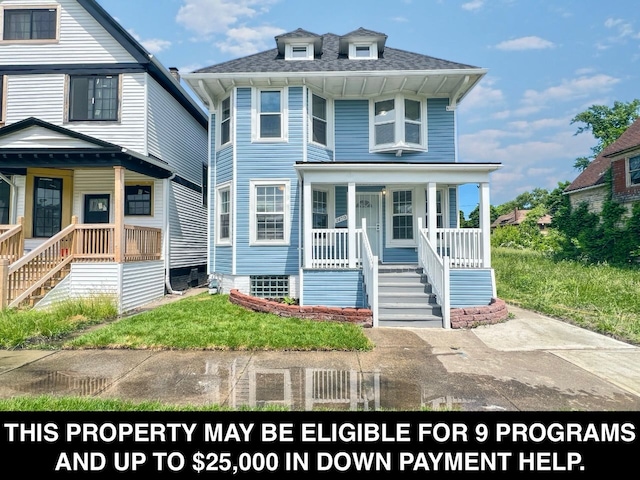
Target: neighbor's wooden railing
<point x="12" y="241"/>
<point x="77" y="242"/>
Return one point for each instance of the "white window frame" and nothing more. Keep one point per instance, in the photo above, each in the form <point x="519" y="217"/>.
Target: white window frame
<point x="289" y="51"/>
<point x="328" y="121"/>
<point x="354" y="47"/>
<point x="284" y="115"/>
<point x="628" y="171"/>
<point x="400" y="121"/>
<point x="3" y="99"/>
<point x="222" y="143"/>
<point x="331" y="217"/>
<point x="36" y="41"/>
<point x="286" y="184"/>
<point x="390" y="241"/>
<point x="225" y="187"/>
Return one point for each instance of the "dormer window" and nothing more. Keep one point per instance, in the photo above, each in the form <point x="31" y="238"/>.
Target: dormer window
<point x="363" y="51"/>
<point x="299" y="51"/>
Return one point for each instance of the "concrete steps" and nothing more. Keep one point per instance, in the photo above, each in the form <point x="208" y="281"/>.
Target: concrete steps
<point x="405" y="298"/>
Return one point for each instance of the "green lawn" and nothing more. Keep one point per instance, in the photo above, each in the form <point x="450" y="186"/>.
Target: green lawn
<point x="597" y="297"/>
<point x="198" y="322"/>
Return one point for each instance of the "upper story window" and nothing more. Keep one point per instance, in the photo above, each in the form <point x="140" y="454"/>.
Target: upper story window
<point x="30" y="24"/>
<point x="634" y="170"/>
<point x="271" y="112"/>
<point x="93" y="97"/>
<point x="225" y="121"/>
<point x="303" y="51"/>
<point x="319" y="119"/>
<point x="398" y="123"/>
<point x="363" y="51"/>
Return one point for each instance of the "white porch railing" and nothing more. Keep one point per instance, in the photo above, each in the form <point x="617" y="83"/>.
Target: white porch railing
<point x="330" y="248"/>
<point x="463" y="246"/>
<point x="370" y="273"/>
<point x="437" y="270"/>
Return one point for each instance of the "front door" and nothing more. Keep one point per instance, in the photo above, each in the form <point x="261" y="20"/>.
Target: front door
<point x="368" y="207"/>
<point x="96" y="208"/>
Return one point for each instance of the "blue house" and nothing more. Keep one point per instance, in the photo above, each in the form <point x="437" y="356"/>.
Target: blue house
<point x="334" y="177"/>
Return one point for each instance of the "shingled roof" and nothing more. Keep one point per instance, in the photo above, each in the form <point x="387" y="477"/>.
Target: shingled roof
<point x="593" y="175"/>
<point x="331" y="60"/>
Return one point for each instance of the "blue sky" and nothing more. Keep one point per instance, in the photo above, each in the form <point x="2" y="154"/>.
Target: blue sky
<point x="547" y="60"/>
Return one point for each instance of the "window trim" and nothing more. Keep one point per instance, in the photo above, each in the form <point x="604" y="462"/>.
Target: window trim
<point x="400" y="125"/>
<point x="151" y="198"/>
<point x="331" y="217"/>
<point x="222" y="120"/>
<point x="328" y="121"/>
<point x="256" y="114"/>
<point x="390" y="241"/>
<point x="290" y="47"/>
<point x="253" y="184"/>
<point x="37" y="41"/>
<point x="220" y="189"/>
<point x="628" y="171"/>
<point x="67" y="110"/>
<point x="3" y="99"/>
<point x="372" y="46"/>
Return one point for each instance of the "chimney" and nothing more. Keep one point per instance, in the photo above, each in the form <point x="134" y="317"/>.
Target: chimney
<point x="175" y="72"/>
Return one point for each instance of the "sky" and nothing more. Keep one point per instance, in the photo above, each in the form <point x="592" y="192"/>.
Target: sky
<point x="547" y="61"/>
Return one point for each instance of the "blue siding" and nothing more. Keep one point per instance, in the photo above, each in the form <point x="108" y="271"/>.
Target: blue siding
<point x="333" y="288"/>
<point x="352" y="134"/>
<point x="258" y="161"/>
<point x="453" y="209"/>
<point x="224" y="256"/>
<point x="470" y="288"/>
<point x="224" y="165"/>
<point x="319" y="154"/>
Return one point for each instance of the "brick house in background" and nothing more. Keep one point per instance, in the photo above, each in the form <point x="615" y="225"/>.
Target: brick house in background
<point x="622" y="157"/>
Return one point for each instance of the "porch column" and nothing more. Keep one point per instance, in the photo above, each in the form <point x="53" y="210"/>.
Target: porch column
<point x="351" y="223"/>
<point x="118" y="209"/>
<point x="307" y="202"/>
<point x="485" y="224"/>
<point x="432" y="214"/>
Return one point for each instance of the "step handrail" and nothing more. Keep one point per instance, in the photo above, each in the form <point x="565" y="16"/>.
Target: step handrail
<point x="370" y="273"/>
<point x="437" y="270"/>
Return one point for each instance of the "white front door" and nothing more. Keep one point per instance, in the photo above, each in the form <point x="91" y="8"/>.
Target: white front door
<point x="368" y="207"/>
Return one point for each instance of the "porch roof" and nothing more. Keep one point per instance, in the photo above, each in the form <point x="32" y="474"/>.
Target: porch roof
<point x="387" y="173"/>
<point x="24" y="144"/>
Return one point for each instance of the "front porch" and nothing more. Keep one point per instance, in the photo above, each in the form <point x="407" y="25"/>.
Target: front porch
<point x="395" y="214"/>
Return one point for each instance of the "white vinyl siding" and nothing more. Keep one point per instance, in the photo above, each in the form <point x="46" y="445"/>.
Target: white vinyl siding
<point x="187" y="226"/>
<point x="82" y="39"/>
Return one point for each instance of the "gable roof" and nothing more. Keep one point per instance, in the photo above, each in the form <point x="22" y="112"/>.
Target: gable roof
<point x="594" y="174"/>
<point x="158" y="71"/>
<point x="516" y="217"/>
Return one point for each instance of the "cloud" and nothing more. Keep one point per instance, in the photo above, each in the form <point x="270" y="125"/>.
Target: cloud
<point x="571" y="89"/>
<point x="208" y="17"/>
<point x="245" y="41"/>
<point x="400" y="19"/>
<point x="153" y="45"/>
<point x="473" y="5"/>
<point x="525" y="43"/>
<point x="482" y="96"/>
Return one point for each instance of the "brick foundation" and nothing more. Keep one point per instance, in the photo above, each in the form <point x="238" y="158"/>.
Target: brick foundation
<point x="469" y="317"/>
<point x="358" y="316"/>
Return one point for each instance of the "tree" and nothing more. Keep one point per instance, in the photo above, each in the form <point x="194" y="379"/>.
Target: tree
<point x="606" y="124"/>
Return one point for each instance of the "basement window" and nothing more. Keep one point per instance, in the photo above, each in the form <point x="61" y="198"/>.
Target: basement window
<point x="270" y="286"/>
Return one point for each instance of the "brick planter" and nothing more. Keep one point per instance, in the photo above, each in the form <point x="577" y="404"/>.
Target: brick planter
<point x="470" y="317"/>
<point x="358" y="316"/>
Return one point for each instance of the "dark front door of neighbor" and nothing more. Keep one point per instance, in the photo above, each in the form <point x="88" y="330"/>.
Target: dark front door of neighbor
<point x="96" y="208"/>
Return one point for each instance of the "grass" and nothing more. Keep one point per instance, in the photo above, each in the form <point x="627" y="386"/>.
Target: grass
<point x="199" y="322"/>
<point x="600" y="298"/>
<point x="28" y="328"/>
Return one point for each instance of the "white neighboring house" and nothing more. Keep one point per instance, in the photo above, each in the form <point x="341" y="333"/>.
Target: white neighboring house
<point x="103" y="161"/>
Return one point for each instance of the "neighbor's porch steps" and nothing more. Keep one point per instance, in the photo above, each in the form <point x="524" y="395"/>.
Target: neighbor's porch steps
<point x="405" y="298"/>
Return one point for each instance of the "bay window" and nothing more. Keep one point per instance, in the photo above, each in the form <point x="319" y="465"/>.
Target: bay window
<point x="398" y="123"/>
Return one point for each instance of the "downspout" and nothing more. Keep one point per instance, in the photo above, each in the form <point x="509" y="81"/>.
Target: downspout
<point x="13" y="218"/>
<point x="167" y="236"/>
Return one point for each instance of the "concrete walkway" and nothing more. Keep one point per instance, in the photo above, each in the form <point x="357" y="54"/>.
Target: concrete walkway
<point x="529" y="363"/>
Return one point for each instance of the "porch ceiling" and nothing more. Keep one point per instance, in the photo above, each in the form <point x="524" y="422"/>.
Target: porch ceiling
<point x="395" y="173"/>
